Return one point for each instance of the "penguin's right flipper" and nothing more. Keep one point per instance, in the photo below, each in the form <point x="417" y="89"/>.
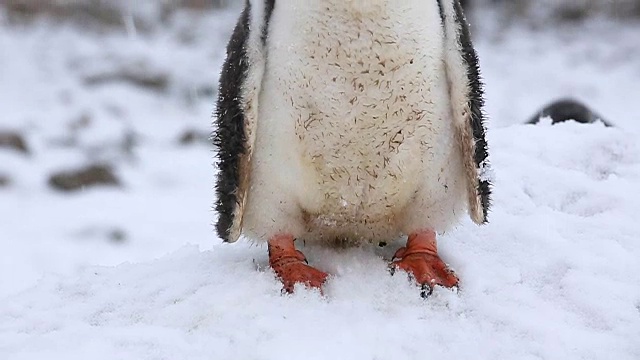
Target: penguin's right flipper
<point x="236" y="115"/>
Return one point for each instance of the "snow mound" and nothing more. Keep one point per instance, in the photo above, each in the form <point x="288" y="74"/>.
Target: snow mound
<point x="554" y="276"/>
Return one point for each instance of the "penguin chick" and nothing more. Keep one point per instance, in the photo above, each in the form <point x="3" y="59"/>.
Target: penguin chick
<point x="350" y="119"/>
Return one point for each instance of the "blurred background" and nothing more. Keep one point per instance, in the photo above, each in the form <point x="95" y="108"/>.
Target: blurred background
<point x="105" y="113"/>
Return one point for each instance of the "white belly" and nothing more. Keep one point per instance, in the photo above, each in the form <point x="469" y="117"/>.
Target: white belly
<point x="354" y="120"/>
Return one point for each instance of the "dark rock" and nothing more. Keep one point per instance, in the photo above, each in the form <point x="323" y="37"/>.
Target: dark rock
<point x="13" y="141"/>
<point x="206" y="91"/>
<point x="4" y="181"/>
<point x="563" y="11"/>
<point x="117" y="236"/>
<point x="154" y="81"/>
<point x="93" y="175"/>
<point x="191" y="137"/>
<point x="86" y="13"/>
<point x="568" y="109"/>
<point x="111" y="234"/>
<point x="104" y="15"/>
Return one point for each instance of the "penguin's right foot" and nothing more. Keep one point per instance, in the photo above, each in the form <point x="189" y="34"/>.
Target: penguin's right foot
<point x="291" y="265"/>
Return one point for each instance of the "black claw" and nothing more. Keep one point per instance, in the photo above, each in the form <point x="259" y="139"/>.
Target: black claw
<point x="426" y="291"/>
<point x="286" y="291"/>
<point x="455" y="289"/>
<point x="304" y="258"/>
<point x="392" y="269"/>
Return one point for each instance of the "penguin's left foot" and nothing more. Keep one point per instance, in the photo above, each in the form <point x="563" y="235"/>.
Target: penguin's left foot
<point x="291" y="265"/>
<point x="420" y="259"/>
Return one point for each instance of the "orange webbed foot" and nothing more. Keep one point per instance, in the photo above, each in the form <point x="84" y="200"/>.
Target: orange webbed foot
<point x="290" y="265"/>
<point x="420" y="259"/>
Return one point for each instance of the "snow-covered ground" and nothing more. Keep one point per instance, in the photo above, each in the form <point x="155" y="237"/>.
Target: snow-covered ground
<point x="136" y="272"/>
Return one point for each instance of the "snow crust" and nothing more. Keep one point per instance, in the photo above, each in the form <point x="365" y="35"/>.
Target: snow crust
<point x="555" y="275"/>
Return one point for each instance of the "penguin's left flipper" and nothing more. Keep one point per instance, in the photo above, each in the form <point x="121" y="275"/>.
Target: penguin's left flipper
<point x="236" y="115"/>
<point x="467" y="102"/>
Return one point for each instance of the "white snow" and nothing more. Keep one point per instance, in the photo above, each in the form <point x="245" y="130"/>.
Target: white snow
<point x="555" y="275"/>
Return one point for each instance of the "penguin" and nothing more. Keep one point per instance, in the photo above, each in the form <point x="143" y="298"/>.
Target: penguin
<point x="350" y="122"/>
<point x="568" y="109"/>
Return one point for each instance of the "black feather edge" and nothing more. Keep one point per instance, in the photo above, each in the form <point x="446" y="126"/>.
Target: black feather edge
<point x="268" y="10"/>
<point x="476" y="105"/>
<point x="229" y="137"/>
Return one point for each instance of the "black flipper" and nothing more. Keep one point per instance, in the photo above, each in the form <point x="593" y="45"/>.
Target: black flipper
<point x="476" y="105"/>
<point x="467" y="101"/>
<point x="237" y="114"/>
<point x="229" y="135"/>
